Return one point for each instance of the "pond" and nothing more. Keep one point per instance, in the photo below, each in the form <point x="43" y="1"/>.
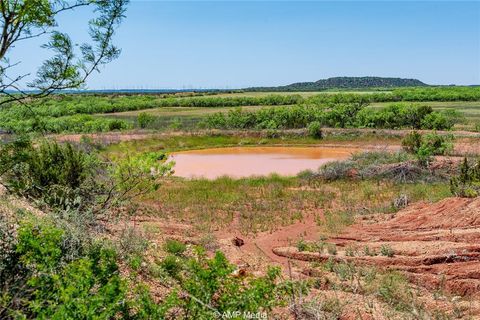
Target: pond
<point x="254" y="161"/>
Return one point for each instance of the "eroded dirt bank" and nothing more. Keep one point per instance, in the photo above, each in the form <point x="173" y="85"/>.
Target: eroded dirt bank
<point x="436" y="245"/>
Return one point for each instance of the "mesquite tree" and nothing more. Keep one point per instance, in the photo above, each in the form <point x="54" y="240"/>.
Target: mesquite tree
<point x="70" y="64"/>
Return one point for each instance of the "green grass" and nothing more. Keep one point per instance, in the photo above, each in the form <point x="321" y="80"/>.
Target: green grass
<point x="266" y="203"/>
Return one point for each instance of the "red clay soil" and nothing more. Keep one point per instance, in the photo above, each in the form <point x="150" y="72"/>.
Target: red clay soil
<point x="262" y="244"/>
<point x="437" y="246"/>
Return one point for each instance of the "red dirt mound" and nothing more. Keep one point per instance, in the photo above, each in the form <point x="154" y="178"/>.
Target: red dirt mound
<point x="436" y="245"/>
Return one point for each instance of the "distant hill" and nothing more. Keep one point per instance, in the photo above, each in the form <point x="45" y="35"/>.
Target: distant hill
<point x="345" y="83"/>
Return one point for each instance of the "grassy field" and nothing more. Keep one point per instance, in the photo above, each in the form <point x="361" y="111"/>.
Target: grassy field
<point x="267" y="203"/>
<point x="188" y="118"/>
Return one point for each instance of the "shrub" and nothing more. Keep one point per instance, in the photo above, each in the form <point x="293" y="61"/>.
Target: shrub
<point x="394" y="290"/>
<point x="281" y="117"/>
<point x="405" y="115"/>
<point x="412" y="142"/>
<point x="136" y="175"/>
<point x="467" y="183"/>
<point x="343" y="115"/>
<point x="81" y="123"/>
<point x="50" y="172"/>
<point x="439" y="145"/>
<point x="426" y="146"/>
<point x="68" y="179"/>
<point x="8" y="242"/>
<point x="332" y="249"/>
<point x="315" y="130"/>
<point x="172" y="265"/>
<point x="302" y="245"/>
<point x="337" y="170"/>
<point x="131" y="244"/>
<point x="210" y="286"/>
<point x="48" y="286"/>
<point x="363" y="165"/>
<point x="432" y="145"/>
<point x="436" y="121"/>
<point x="145" y="119"/>
<point x="115" y="124"/>
<point x="175" y="247"/>
<point x="400" y="202"/>
<point x="394" y="116"/>
<point x="387" y="251"/>
<point x="176" y="124"/>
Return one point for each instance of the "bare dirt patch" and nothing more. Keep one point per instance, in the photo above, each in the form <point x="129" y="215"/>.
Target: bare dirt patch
<point x="437" y="246"/>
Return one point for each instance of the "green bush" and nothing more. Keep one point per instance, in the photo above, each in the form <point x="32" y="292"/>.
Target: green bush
<point x="436" y="121"/>
<point x="402" y="94"/>
<point x="424" y="147"/>
<point x="69" y="105"/>
<point x="387" y="251"/>
<point x="175" y="247"/>
<point x="412" y="142"/>
<point x="81" y="123"/>
<point x="49" y="286"/>
<point x="437" y="144"/>
<point x="315" y="130"/>
<point x="47" y="283"/>
<point x="405" y="115"/>
<point x="136" y="175"/>
<point x="50" y="171"/>
<point x="467" y="182"/>
<point x="394" y="290"/>
<point x="145" y="119"/>
<point x="211" y="288"/>
<point x="172" y="265"/>
<point x="340" y="115"/>
<point x="66" y="178"/>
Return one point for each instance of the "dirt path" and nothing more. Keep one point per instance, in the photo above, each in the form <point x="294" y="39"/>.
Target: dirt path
<point x="263" y="243"/>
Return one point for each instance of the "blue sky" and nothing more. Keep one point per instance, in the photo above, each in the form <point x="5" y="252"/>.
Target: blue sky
<point x="228" y="44"/>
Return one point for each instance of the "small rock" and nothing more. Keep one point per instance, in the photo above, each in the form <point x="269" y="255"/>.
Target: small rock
<point x="238" y="242"/>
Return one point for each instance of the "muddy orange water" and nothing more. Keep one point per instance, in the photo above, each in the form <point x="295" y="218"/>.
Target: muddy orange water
<point x="254" y="161"/>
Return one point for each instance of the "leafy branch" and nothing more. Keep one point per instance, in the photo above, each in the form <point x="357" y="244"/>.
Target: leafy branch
<point x="68" y="67"/>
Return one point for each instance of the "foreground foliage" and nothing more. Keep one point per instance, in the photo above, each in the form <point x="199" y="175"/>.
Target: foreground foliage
<point x="42" y="277"/>
<point x="207" y="288"/>
<point x="54" y="265"/>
